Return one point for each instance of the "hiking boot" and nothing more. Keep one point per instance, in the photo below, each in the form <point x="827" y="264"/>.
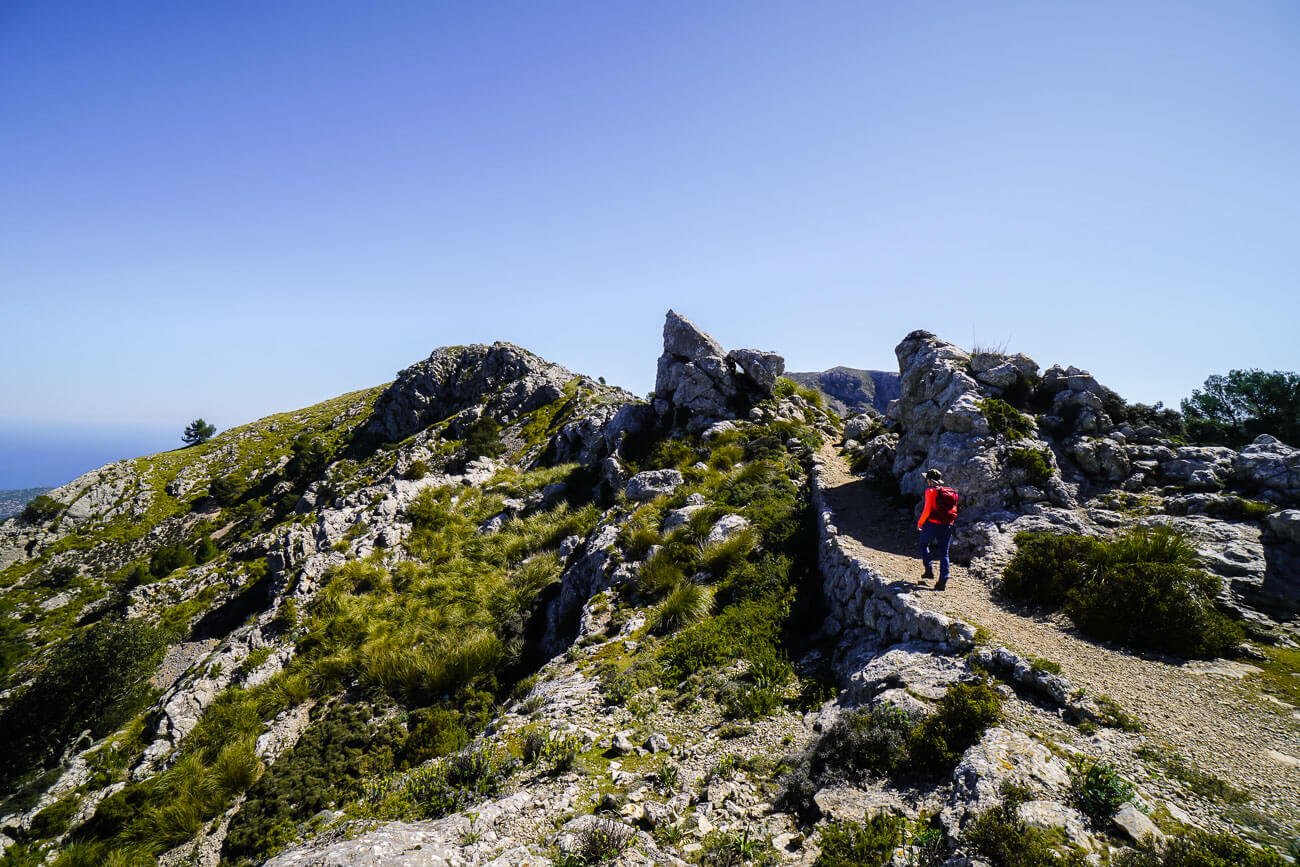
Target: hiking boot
<point x="942" y="583"/>
<point x="928" y="575"/>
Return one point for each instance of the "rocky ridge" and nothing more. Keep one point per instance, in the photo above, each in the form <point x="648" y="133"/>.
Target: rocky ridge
<point x="671" y="773"/>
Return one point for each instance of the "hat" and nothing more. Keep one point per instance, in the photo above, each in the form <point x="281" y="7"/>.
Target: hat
<point x="934" y="476"/>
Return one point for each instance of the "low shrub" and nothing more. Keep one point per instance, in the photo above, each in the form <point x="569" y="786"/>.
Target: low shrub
<point x="999" y="836"/>
<point x="97" y="680"/>
<point x="483" y="439"/>
<point x="340" y="749"/>
<point x="599" y="842"/>
<point x="1098" y="791"/>
<point x="1047" y="566"/>
<point x="1198" y="848"/>
<point x="40" y="509"/>
<point x="167" y="559"/>
<point x="1005" y="419"/>
<point x="1140" y="589"/>
<point x="860" y="844"/>
<point x="1034" y="463"/>
<point x="958" y="721"/>
<point x="736" y="849"/>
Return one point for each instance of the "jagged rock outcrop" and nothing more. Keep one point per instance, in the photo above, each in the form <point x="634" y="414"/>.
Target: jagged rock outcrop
<point x="942" y="424"/>
<point x="505" y="379"/>
<point x="699" y="383"/>
<point x="1271" y="468"/>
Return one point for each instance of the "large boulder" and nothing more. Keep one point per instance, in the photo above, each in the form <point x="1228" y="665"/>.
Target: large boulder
<point x="698" y="383"/>
<point x="1271" y="468"/>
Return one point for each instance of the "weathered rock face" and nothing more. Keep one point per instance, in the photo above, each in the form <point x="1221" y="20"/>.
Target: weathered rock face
<point x="699" y="383"/>
<point x="942" y="426"/>
<point x="1270" y="467"/>
<point x="453" y="379"/>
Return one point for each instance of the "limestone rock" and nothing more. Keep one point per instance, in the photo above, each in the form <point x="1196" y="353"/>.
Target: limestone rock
<point x="647" y="485"/>
<point x="1136" y="825"/>
<point x="698" y="384"/>
<point x="726" y="527"/>
<point x="1270" y="467"/>
<point x="1286" y="524"/>
<point x="1002" y="756"/>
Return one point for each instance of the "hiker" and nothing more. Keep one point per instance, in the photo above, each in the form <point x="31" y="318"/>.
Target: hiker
<point x="935" y="524"/>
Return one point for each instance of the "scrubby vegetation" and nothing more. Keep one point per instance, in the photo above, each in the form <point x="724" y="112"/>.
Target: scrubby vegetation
<point x="1140" y="589"/>
<point x="1003" y="839"/>
<point x="888" y="742"/>
<point x="1034" y="464"/>
<point x="96" y="681"/>
<point x="1098" y="791"/>
<point x="860" y="844"/>
<point x="1198" y="848"/>
<point x="1005" y="419"/>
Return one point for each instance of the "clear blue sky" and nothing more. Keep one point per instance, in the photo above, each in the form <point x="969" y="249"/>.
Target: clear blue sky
<point x="231" y="209"/>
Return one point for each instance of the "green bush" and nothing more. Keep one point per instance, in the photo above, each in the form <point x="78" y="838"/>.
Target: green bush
<point x="97" y="679"/>
<point x="599" y="843"/>
<point x="860" y="844"/>
<point x="483" y="439"/>
<point x="40" y="509"/>
<point x="1005" y="419"/>
<point x="1098" y="791"/>
<point x="1139" y="589"/>
<point x="339" y="750"/>
<point x="167" y="559"/>
<point x="1198" y="848"/>
<point x="1034" y="463"/>
<point x="958" y="721"/>
<point x="226" y="490"/>
<point x="999" y="836"/>
<point x="736" y="849"/>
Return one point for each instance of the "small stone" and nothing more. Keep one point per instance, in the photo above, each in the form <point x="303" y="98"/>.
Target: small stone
<point x="621" y="744"/>
<point x="657" y="743"/>
<point x="1136" y="825"/>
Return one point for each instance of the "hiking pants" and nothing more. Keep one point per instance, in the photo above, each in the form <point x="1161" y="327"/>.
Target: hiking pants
<point x="935" y="539"/>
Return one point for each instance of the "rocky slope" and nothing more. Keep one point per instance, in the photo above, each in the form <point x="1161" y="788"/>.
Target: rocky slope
<point x="850" y="391"/>
<point x="496" y="612"/>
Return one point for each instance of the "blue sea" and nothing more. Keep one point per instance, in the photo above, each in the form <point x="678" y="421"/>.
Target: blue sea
<point x="46" y="455"/>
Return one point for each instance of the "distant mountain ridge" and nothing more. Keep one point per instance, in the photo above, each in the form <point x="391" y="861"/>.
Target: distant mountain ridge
<point x="13" y="501"/>
<point x="849" y="390"/>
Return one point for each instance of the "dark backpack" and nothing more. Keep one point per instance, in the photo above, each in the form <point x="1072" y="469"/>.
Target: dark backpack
<point x="945" y="506"/>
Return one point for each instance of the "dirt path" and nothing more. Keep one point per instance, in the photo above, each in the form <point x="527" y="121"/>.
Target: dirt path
<point x="1202" y="711"/>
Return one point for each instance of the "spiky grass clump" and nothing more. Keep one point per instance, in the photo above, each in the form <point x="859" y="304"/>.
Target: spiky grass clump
<point x="685" y="604"/>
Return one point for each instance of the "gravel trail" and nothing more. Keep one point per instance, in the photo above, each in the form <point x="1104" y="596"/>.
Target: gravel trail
<point x="1204" y="711"/>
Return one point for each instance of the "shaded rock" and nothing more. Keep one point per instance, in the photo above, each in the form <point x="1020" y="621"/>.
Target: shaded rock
<point x="1269" y="466"/>
<point x="726" y="527"/>
<point x="647" y="485"/>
